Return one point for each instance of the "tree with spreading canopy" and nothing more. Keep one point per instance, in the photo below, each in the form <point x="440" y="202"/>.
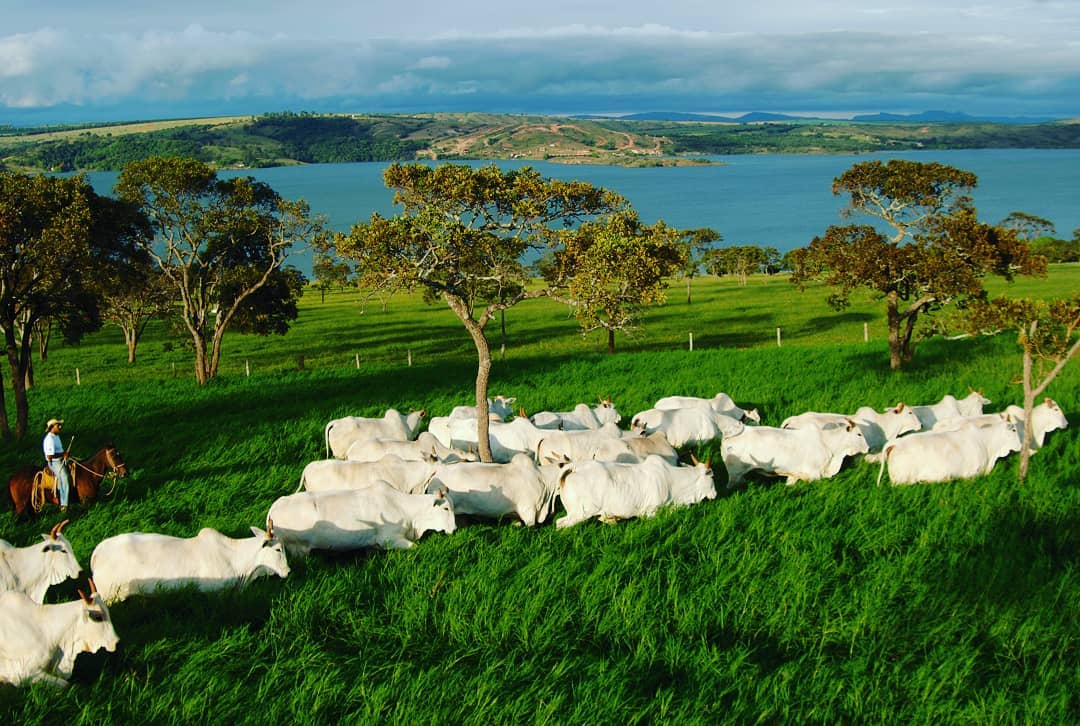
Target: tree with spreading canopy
<point x="329" y="272"/>
<point x="698" y="245"/>
<point x="56" y="235"/>
<point x="938" y="253"/>
<point x="467" y="235"/>
<point x="1048" y="331"/>
<point x="616" y="266"/>
<point x="222" y="245"/>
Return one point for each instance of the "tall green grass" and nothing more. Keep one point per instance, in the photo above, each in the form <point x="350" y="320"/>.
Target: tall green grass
<point x="836" y="601"/>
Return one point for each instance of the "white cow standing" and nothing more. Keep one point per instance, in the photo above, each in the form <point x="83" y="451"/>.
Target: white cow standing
<point x="140" y="563"/>
<point x="342" y="432"/>
<point x="721" y="404"/>
<point x="406" y="476"/>
<point x="425" y="448"/>
<point x="34" y="569"/>
<point x="40" y="642"/>
<point x="935" y="456"/>
<point x="611" y="491"/>
<point x="877" y="428"/>
<point x="376" y="516"/>
<point x="798" y="454"/>
<point x="582" y="417"/>
<point x="518" y="488"/>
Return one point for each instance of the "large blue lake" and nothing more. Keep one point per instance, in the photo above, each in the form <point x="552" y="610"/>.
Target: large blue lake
<point x="781" y="201"/>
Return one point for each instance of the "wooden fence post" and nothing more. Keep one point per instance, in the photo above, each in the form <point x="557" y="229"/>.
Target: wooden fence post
<point x="247" y="369"/>
<point x="358" y="361"/>
<point x="866" y="332"/>
<point x="78" y="381"/>
<point x="410" y="357"/>
<point x="300" y="362"/>
<point x="691" y="342"/>
<point x="778" y="337"/>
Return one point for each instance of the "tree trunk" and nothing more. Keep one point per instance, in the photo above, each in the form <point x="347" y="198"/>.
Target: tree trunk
<point x="688" y="278"/>
<point x="5" y="427"/>
<point x="1029" y="406"/>
<point x="18" y="357"/>
<point x="44" y="332"/>
<point x="201" y="363"/>
<point x="895" y="348"/>
<point x="483" y="374"/>
<point x="131" y="338"/>
<point x="611" y="341"/>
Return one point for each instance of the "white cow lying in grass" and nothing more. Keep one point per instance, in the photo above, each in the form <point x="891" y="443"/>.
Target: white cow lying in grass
<point x="500" y="408"/>
<point x="32" y="570"/>
<point x="611" y="491"/>
<point x="798" y="454"/>
<point x="406" y="476"/>
<point x="40" y="642"/>
<point x="721" y="404"/>
<point x="342" y="432"/>
<point x="582" y="417"/>
<point x="1045" y="417"/>
<point x="685" y="426"/>
<point x="376" y="516"/>
<point x="425" y="448"/>
<point x="950" y="407"/>
<point x="518" y="488"/>
<point x="877" y="428"/>
<point x="140" y="563"/>
<point x="935" y="456"/>
<point x="603" y="444"/>
<point x="644" y="445"/>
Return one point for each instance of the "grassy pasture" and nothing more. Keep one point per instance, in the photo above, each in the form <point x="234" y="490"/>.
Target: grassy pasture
<point x="836" y="601"/>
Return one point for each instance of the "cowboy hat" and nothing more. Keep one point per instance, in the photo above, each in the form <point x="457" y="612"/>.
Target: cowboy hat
<point x="52" y="422"/>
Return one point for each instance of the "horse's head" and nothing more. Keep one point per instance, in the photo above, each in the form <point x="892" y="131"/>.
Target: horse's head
<point x="115" y="461"/>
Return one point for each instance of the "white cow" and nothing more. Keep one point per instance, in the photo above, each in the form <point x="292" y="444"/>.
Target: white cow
<point x="341" y="432"/>
<point x="582" y="417"/>
<point x="32" y="570"/>
<point x="406" y="476"/>
<point x="933" y="456"/>
<point x="642" y="445"/>
<point x="603" y="444"/>
<point x="1046" y="417"/>
<point x="40" y="642"/>
<point x="685" y="426"/>
<point x="425" y="448"/>
<point x="612" y="491"/>
<point x="496" y="490"/>
<point x="950" y="407"/>
<point x="377" y="516"/>
<point x="506" y="438"/>
<point x="799" y="454"/>
<point x="500" y="408"/>
<point x="721" y="403"/>
<point x="877" y="428"/>
<point x="140" y="563"/>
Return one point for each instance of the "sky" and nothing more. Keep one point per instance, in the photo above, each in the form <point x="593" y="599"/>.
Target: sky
<point x="68" y="61"/>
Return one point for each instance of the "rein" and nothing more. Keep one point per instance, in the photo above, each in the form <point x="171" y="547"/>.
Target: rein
<point x="111" y="473"/>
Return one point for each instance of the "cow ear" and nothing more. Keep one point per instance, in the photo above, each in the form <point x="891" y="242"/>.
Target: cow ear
<point x="259" y="532"/>
<point x="510" y="401"/>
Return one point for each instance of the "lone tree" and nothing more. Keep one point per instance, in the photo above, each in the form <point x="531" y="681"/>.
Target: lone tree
<point x="464" y="232"/>
<point x="136" y="294"/>
<point x="222" y="245"/>
<point x="50" y="250"/>
<point x="938" y="252"/>
<point x="1048" y="332"/>
<point x="699" y="246"/>
<point x="616" y="266"/>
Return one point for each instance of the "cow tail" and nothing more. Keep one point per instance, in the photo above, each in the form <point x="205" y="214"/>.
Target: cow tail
<point x="884" y="458"/>
<point x="326" y="437"/>
<point x="303" y="481"/>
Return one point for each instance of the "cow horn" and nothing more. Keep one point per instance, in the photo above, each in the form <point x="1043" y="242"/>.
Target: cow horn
<point x="694" y="460"/>
<point x="900" y="407"/>
<point x="85" y="599"/>
<point x="521" y="412"/>
<point x="269" y="528"/>
<point x="55" y="531"/>
<point x="93" y="587"/>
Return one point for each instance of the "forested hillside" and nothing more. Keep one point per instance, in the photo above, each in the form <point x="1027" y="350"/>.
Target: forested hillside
<point x="306" y="138"/>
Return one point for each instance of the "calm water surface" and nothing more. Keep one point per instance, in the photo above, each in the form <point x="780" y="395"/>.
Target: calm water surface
<point x="778" y="200"/>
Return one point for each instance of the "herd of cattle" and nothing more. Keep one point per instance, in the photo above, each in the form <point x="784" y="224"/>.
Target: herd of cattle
<point x="387" y="484"/>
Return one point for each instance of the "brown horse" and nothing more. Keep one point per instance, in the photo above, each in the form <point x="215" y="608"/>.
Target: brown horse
<point x="88" y="475"/>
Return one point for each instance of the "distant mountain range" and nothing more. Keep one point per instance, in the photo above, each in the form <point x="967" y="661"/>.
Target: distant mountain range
<point x="761" y="117"/>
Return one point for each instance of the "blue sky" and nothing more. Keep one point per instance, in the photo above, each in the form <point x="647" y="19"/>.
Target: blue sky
<point x="73" y="60"/>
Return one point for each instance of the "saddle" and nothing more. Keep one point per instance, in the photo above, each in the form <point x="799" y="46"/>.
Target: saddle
<point x="44" y="487"/>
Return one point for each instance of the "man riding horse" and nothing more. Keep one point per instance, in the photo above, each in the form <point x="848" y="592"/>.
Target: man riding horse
<point x="56" y="459"/>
